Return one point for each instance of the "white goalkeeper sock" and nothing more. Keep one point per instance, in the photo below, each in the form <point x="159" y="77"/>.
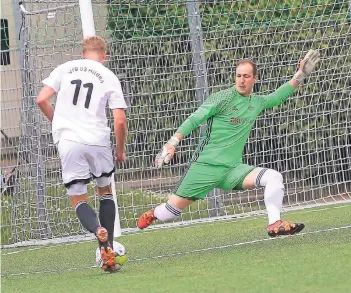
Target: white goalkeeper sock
<point x="166" y="211"/>
<point x="273" y="192"/>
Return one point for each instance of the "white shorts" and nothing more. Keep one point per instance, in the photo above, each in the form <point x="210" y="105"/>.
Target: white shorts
<point x="81" y="162"/>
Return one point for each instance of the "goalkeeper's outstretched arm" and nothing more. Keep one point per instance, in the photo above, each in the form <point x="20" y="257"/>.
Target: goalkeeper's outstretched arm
<point x="286" y="90"/>
<point x="205" y="111"/>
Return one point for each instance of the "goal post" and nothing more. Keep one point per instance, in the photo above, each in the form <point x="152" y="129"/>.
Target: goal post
<point x="86" y="16"/>
<point x="169" y="56"/>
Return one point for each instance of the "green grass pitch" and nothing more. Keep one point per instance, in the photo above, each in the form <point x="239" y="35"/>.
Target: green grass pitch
<point x="223" y="256"/>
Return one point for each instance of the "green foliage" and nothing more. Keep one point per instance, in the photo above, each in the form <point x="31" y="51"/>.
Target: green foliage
<point x="169" y="18"/>
<point x="134" y="20"/>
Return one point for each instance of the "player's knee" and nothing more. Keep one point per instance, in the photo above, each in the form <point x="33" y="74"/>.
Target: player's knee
<point x="77" y="192"/>
<point x="77" y="189"/>
<point x="269" y="176"/>
<point x="103" y="181"/>
<point x="101" y="191"/>
<point x="179" y="202"/>
<point x="104" y="185"/>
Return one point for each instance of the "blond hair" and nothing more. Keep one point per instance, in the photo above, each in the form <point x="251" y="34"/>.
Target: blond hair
<point x="93" y="43"/>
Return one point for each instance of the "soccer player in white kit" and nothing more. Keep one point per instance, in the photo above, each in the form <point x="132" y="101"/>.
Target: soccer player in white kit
<point x="80" y="131"/>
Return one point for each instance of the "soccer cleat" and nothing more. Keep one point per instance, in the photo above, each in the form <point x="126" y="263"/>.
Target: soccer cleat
<point x="282" y="227"/>
<point x="107" y="253"/>
<point x="146" y="219"/>
<point x="102" y="236"/>
<point x="111" y="269"/>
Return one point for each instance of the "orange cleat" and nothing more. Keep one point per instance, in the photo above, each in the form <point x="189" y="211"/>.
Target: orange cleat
<point x="282" y="227"/>
<point x="106" y="250"/>
<point x="102" y="236"/>
<point x="146" y="219"/>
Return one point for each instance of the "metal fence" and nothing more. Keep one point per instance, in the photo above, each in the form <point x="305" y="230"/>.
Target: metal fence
<point x="168" y="63"/>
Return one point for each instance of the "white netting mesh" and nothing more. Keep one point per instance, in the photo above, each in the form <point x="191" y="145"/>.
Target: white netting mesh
<point x="169" y="55"/>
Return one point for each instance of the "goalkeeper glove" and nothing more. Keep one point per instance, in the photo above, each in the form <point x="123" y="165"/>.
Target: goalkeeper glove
<point x="307" y="65"/>
<point x="167" y="152"/>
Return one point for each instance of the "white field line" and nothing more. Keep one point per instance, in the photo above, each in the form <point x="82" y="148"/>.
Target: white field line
<point x="187" y="252"/>
<point x="176" y="226"/>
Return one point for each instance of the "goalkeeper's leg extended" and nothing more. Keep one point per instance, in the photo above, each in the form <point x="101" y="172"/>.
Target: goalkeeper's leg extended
<point x="196" y="183"/>
<point x="164" y="212"/>
<point x="272" y="181"/>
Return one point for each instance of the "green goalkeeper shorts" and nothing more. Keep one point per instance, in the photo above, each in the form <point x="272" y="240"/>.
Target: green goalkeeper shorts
<point x="201" y="178"/>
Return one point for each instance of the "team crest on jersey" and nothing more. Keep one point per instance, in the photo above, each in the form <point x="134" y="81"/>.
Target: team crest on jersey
<point x="234" y="120"/>
<point x="241" y="121"/>
<point x="235" y="108"/>
<point x="251" y="108"/>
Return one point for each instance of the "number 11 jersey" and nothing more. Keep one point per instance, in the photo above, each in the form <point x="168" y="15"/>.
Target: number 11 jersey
<point x="84" y="87"/>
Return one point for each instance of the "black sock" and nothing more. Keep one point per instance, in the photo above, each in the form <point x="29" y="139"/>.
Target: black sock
<point x="87" y="217"/>
<point x="107" y="214"/>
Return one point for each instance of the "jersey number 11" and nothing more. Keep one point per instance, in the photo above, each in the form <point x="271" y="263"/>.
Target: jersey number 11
<point x="78" y="84"/>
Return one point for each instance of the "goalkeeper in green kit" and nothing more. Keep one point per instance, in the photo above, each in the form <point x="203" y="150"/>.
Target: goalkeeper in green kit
<point x="217" y="161"/>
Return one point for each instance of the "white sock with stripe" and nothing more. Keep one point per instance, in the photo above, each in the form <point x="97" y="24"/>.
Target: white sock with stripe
<point x="166" y="211"/>
<point x="273" y="193"/>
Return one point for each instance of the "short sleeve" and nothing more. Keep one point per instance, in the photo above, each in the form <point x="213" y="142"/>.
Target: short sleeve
<point x="54" y="79"/>
<point x="116" y="99"/>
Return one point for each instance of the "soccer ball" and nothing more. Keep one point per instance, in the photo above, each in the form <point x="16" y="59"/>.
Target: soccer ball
<point x="120" y="255"/>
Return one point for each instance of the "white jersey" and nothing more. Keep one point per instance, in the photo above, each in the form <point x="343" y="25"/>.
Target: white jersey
<point x="83" y="89"/>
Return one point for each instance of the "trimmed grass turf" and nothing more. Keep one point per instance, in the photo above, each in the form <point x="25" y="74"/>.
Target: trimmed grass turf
<point x="190" y="262"/>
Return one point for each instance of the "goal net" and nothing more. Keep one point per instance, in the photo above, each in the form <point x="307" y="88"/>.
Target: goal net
<point x="169" y="56"/>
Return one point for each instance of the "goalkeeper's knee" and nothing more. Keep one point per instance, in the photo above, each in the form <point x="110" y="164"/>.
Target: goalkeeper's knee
<point x="269" y="176"/>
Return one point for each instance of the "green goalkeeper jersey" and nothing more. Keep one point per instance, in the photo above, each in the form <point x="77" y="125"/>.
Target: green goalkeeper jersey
<point x="230" y="118"/>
